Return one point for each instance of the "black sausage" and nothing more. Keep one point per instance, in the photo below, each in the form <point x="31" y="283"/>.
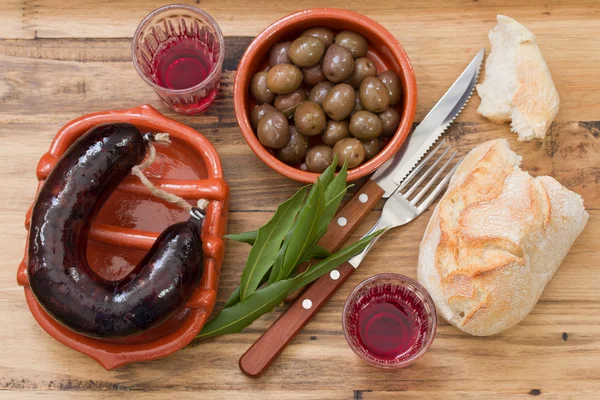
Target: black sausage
<point x="60" y="278"/>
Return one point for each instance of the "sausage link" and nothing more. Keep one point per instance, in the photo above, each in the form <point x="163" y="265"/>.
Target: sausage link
<point x="60" y="278"/>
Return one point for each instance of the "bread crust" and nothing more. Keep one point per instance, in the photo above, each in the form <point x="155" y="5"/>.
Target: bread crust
<point x="518" y="85"/>
<point x="495" y="239"/>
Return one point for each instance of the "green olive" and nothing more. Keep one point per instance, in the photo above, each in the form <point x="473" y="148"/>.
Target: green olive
<point x="363" y="68"/>
<point x="306" y="51"/>
<point x="259" y="89"/>
<point x="338" y="64"/>
<point x="374" y="95"/>
<point x="309" y="118"/>
<point x="372" y="148"/>
<point x="294" y="151"/>
<point x="279" y="54"/>
<point x="258" y="112"/>
<point x="365" y="125"/>
<point x="319" y="92"/>
<point x="313" y="75"/>
<point x="350" y="150"/>
<point x="356" y="44"/>
<point x="334" y="132"/>
<point x="319" y="158"/>
<point x="273" y="130"/>
<point x="287" y="103"/>
<point x="339" y="101"/>
<point x="326" y="35"/>
<point x="284" y="78"/>
<point x="391" y="120"/>
<point x="393" y="84"/>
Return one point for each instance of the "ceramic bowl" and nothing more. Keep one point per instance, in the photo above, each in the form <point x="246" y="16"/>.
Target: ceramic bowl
<point x="130" y="222"/>
<point x="384" y="51"/>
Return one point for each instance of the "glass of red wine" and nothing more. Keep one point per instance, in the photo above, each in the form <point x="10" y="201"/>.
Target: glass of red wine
<point x="178" y="50"/>
<point x="389" y="320"/>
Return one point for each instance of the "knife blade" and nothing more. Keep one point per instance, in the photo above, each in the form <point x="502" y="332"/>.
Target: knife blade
<point x="391" y="174"/>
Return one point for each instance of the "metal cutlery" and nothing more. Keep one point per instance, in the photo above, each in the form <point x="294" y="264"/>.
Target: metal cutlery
<point x="385" y="183"/>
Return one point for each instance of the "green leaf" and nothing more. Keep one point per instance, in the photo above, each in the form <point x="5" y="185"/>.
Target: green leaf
<point x="239" y="316"/>
<point x="305" y="230"/>
<point x="330" y="263"/>
<point x="273" y="277"/>
<point x="246" y="237"/>
<point x="327" y="176"/>
<point x="334" y="194"/>
<point x="234" y="298"/>
<point x="317" y="252"/>
<point x="242" y="314"/>
<point x="268" y="241"/>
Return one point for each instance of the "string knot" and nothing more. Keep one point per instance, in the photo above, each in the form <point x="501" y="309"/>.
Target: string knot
<point x="162" y="138"/>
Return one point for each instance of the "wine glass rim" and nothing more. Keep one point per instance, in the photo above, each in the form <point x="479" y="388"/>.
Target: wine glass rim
<point x="213" y="73"/>
<point x="404" y="280"/>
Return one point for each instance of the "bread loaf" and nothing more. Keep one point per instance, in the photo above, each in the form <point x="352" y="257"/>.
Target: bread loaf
<point x="518" y="85"/>
<point x="495" y="239"/>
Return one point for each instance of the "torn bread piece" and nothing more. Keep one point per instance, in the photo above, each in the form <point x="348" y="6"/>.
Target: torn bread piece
<point x="517" y="85"/>
<point x="495" y="240"/>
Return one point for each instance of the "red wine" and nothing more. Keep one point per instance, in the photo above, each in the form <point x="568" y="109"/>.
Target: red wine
<point x="388" y="322"/>
<point x="182" y="62"/>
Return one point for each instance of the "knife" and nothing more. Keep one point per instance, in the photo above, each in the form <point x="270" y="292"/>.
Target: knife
<point x="384" y="182"/>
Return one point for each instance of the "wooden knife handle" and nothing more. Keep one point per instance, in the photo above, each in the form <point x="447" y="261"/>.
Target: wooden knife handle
<point x="266" y="349"/>
<point x="351" y="215"/>
<point x="345" y="222"/>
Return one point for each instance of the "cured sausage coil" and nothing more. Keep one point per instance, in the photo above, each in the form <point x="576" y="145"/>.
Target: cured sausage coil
<point x="60" y="278"/>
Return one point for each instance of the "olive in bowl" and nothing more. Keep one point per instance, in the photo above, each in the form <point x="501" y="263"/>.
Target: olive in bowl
<point x="279" y="54"/>
<point x="258" y="112"/>
<point x="284" y="78"/>
<point x="354" y="42"/>
<point x="306" y="51"/>
<point x="287" y="103"/>
<point x="309" y="118"/>
<point x="259" y="89"/>
<point x="349" y="150"/>
<point x="374" y="95"/>
<point x="273" y="130"/>
<point x="319" y="158"/>
<point x="365" y="125"/>
<point x="326" y="35"/>
<point x="339" y="101"/>
<point x="338" y="64"/>
<point x="294" y="151"/>
<point x="319" y="92"/>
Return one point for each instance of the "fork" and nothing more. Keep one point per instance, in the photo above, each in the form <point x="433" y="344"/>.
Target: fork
<point x="399" y="209"/>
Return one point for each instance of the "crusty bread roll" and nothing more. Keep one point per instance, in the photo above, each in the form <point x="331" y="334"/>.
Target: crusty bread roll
<point x="495" y="239"/>
<point x="518" y="85"/>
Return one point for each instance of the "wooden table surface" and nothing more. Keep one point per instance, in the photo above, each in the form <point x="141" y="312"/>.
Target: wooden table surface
<point x="61" y="59"/>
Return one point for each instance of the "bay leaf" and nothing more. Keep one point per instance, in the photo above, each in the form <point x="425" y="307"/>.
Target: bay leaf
<point x="246" y="237"/>
<point x="242" y="314"/>
<point x="305" y="230"/>
<point x="268" y="241"/>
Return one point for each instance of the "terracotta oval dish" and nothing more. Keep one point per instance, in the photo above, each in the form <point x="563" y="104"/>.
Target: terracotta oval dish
<point x="384" y="51"/>
<point x="131" y="220"/>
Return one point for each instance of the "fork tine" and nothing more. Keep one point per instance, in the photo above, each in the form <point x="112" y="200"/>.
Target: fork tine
<point x="420" y="165"/>
<point x="415" y="186"/>
<point x="436" y="192"/>
<point x="435" y="177"/>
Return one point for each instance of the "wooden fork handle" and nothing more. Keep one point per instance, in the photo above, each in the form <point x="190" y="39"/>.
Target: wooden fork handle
<point x="266" y="349"/>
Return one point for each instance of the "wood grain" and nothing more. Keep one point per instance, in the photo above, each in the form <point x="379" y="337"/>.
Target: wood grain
<point x="60" y="59"/>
